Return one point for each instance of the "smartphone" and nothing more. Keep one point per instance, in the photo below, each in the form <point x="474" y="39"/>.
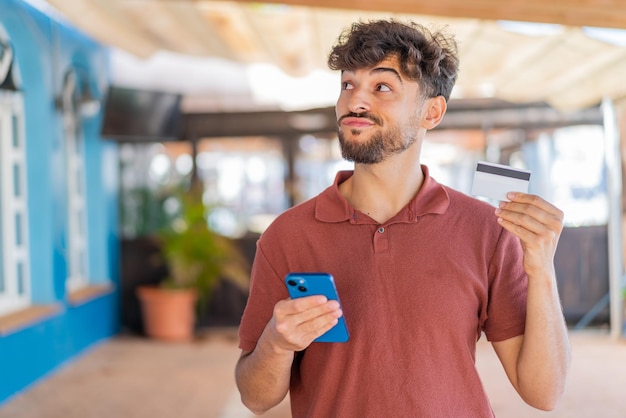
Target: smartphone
<point x="308" y="284"/>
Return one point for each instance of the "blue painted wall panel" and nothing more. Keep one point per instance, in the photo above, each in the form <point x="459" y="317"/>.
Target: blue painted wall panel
<point x="30" y="354"/>
<point x="44" y="50"/>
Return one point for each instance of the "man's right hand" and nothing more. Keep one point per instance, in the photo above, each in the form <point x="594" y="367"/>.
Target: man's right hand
<point x="294" y="325"/>
<point x="297" y="322"/>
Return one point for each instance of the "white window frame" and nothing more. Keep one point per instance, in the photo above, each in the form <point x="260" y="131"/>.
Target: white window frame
<point x="15" y="292"/>
<point x="77" y="254"/>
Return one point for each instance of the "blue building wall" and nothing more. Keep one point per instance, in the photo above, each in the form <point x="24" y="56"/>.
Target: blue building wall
<point x="44" y="50"/>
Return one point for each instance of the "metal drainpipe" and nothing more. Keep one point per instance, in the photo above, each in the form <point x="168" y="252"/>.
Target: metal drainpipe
<point x="613" y="162"/>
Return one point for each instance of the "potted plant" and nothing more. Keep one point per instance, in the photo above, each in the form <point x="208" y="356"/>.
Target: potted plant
<point x="197" y="258"/>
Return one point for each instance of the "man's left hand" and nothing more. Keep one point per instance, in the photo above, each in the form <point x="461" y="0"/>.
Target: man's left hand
<point x="538" y="225"/>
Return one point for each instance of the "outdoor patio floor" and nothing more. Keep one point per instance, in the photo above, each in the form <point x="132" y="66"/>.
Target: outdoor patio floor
<point x="133" y="377"/>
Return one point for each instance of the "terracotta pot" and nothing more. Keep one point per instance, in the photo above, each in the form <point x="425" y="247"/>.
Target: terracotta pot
<point x="168" y="314"/>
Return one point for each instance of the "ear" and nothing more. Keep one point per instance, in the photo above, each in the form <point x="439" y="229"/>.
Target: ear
<point x="435" y="108"/>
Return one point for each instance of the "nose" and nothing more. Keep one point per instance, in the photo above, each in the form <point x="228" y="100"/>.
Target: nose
<point x="358" y="102"/>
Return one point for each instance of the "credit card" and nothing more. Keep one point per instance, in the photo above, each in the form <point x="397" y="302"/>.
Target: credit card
<point x="494" y="181"/>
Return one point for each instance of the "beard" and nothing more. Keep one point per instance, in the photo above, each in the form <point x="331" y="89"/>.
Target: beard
<point x="380" y="146"/>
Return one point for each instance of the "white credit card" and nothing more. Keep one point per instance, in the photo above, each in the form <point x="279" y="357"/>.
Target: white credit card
<point x="494" y="181"/>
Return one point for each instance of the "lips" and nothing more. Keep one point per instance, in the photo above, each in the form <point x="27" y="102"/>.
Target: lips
<point x="356" y="122"/>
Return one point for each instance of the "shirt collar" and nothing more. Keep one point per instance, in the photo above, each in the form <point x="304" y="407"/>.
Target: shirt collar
<point x="432" y="198"/>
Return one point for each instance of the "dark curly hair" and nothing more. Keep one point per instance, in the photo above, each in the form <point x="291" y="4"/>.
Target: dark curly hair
<point x="430" y="58"/>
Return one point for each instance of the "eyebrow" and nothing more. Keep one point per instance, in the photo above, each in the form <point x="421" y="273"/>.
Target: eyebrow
<point x="381" y="70"/>
<point x="387" y="70"/>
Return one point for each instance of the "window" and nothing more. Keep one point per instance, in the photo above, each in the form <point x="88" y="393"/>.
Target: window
<point x="244" y="183"/>
<point x="243" y="179"/>
<point x="77" y="249"/>
<point x="14" y="253"/>
<point x="578" y="175"/>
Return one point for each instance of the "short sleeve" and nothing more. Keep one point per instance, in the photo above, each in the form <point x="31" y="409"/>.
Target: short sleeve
<point x="508" y="285"/>
<point x="266" y="289"/>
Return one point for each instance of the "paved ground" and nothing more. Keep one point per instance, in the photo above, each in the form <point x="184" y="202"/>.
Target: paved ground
<point x="132" y="377"/>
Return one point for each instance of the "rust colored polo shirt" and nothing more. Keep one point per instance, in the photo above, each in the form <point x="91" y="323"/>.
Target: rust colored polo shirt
<point x="417" y="292"/>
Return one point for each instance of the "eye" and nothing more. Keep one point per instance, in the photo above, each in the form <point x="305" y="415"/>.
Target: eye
<point x="383" y="87"/>
<point x="346" y="85"/>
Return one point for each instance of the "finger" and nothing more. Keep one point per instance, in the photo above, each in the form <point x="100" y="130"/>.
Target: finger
<point x="530" y="217"/>
<point x="316" y="311"/>
<point x="292" y="313"/>
<point x="522" y="232"/>
<point x="293" y="306"/>
<point x="514" y="209"/>
<point x="535" y="201"/>
<point x="533" y="233"/>
<point x="534" y="222"/>
<point x="298" y="330"/>
<point x="533" y="206"/>
<point x="320" y="324"/>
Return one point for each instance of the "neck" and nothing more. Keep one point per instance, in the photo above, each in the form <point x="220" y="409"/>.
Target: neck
<point x="382" y="190"/>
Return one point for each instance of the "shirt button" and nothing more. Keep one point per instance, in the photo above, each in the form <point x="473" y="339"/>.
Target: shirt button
<point x="381" y="230"/>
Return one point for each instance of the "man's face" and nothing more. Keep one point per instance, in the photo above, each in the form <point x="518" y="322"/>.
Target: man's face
<point x="378" y="113"/>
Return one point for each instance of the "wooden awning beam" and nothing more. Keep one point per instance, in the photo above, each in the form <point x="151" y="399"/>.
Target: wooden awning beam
<point x="598" y="13"/>
<point x="468" y="115"/>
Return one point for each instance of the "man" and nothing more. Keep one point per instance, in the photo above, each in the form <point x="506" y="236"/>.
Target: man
<point x="421" y="270"/>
